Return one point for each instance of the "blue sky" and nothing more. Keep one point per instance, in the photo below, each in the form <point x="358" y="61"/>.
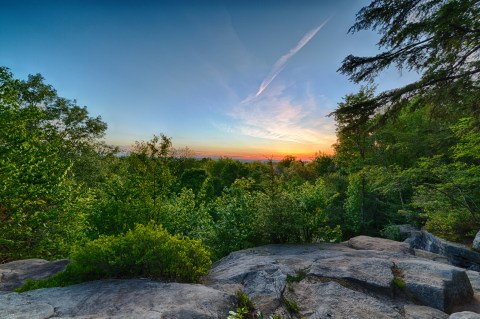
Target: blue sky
<point x="235" y="78"/>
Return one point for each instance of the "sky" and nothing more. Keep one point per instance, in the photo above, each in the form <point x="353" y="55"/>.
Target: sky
<point x="244" y="79"/>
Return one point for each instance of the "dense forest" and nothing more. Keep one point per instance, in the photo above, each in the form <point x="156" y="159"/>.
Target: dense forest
<point x="408" y="155"/>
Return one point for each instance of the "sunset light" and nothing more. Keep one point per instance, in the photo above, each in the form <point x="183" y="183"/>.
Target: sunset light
<point x="245" y="80"/>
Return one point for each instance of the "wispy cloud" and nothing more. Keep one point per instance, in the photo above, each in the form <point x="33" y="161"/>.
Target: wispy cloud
<point x="285" y="115"/>
<point x="278" y="116"/>
<point x="280" y="64"/>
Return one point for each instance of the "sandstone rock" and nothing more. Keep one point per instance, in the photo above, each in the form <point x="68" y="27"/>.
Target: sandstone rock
<point x="464" y="315"/>
<point x="422" y="312"/>
<point x="456" y="254"/>
<point x="119" y="299"/>
<point x="435" y="285"/>
<point x="13" y="274"/>
<point x="379" y="244"/>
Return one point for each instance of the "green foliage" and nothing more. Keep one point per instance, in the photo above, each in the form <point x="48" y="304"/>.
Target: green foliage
<point x="180" y="215"/>
<point x="244" y="301"/>
<point x="234" y="212"/>
<point x="42" y="136"/>
<point x="399" y="282"/>
<point x="391" y="232"/>
<point x="135" y="190"/>
<point x="146" y="251"/>
<point x="299" y="276"/>
<point x="436" y="38"/>
<point x="354" y="211"/>
<point x="291" y="305"/>
<point x="294" y="215"/>
<point x="239" y="314"/>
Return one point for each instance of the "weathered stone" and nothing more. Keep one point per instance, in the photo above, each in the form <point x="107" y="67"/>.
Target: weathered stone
<point x="379" y="244"/>
<point x="369" y="272"/>
<point x="13" y="274"/>
<point x="134" y="298"/>
<point x="474" y="277"/>
<point x="331" y="300"/>
<point x="431" y="256"/>
<point x="476" y="242"/>
<point x="262" y="271"/>
<point x="336" y="280"/>
<point x="16" y="306"/>
<point x="458" y="255"/>
<point x="464" y="315"/>
<point x="436" y="285"/>
<point x="423" y="312"/>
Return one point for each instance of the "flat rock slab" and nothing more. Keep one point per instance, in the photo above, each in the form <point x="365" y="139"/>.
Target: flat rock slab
<point x="422" y="312"/>
<point x="370" y="272"/>
<point x="317" y="300"/>
<point x="135" y="298"/>
<point x="13" y="274"/>
<point x="433" y="284"/>
<point x="263" y="273"/>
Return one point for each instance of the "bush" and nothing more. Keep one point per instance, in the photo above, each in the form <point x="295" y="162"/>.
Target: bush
<point x="295" y="215"/>
<point x="233" y="228"/>
<point x="391" y="232"/>
<point x="146" y="251"/>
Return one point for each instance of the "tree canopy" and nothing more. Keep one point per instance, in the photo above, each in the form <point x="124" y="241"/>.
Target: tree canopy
<point x="439" y="39"/>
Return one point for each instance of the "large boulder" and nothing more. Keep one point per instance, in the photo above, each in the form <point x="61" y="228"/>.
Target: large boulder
<point x="436" y="285"/>
<point x="458" y="255"/>
<point x="13" y="274"/>
<point x="373" y="278"/>
<point x="268" y="273"/>
<point x="119" y="299"/>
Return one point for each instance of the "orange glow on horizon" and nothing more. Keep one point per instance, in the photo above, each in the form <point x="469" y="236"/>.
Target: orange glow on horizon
<point x="251" y="155"/>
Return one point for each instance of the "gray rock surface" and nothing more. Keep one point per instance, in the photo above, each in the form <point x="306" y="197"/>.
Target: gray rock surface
<point x="379" y="244"/>
<point x="318" y="299"/>
<point x="119" y="299"/>
<point x="264" y="272"/>
<point x="464" y="315"/>
<point x="323" y="280"/>
<point x="431" y="256"/>
<point x="476" y="242"/>
<point x="422" y="312"/>
<point x="456" y="254"/>
<point x="13" y="274"/>
<point x="436" y="285"/>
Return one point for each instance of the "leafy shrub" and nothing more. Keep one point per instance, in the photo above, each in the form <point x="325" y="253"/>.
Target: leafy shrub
<point x="243" y="300"/>
<point x="291" y="305"/>
<point x="295" y="215"/>
<point x="181" y="215"/>
<point x="234" y="211"/>
<point x="391" y="232"/>
<point x="146" y="251"/>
